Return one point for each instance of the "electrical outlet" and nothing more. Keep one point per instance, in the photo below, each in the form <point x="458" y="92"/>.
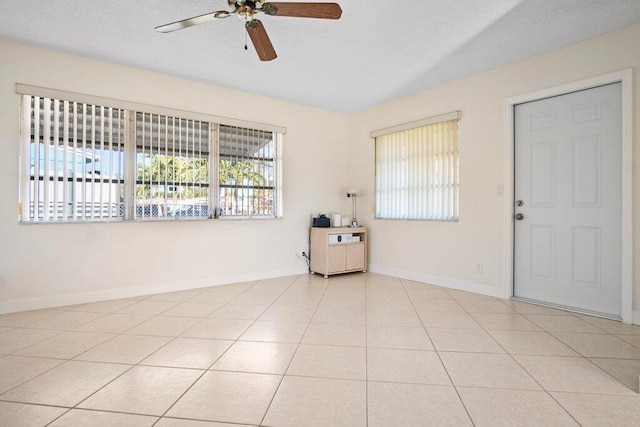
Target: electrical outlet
<point x="479" y="267"/>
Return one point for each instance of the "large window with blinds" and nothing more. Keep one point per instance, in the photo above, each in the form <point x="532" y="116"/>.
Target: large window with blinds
<point x="86" y="162"/>
<point x="417" y="170"/>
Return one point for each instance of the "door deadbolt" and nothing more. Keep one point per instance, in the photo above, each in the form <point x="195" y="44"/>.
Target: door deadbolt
<point x="519" y="216"/>
<point x="519" y="203"/>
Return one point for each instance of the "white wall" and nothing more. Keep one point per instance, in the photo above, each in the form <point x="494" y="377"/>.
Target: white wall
<point x="446" y="253"/>
<point x="54" y="264"/>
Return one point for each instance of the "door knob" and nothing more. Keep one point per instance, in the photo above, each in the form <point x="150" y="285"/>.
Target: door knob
<point x="519" y="216"/>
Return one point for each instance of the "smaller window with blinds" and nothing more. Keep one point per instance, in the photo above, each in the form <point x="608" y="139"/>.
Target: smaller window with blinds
<point x="417" y="170"/>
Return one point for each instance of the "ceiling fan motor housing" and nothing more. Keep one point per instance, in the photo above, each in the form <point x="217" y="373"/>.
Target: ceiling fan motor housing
<point x="245" y="8"/>
<point x="241" y="3"/>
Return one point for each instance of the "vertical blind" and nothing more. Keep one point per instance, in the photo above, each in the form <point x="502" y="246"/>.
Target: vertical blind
<point x="417" y="173"/>
<point x="172" y="167"/>
<point x="247" y="175"/>
<point x="74" y="161"/>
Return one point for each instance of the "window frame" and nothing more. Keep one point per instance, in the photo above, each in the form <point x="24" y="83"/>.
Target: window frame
<point x="130" y="148"/>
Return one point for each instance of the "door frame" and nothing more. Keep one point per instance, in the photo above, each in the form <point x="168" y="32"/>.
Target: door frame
<point x="625" y="77"/>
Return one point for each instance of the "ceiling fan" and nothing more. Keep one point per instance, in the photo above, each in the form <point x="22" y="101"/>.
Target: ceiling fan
<point x="246" y="9"/>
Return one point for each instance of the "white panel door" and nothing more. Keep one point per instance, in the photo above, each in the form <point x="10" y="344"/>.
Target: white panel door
<point x="568" y="200"/>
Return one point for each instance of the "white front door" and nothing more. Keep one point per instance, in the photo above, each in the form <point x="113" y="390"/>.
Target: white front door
<point x="568" y="200"/>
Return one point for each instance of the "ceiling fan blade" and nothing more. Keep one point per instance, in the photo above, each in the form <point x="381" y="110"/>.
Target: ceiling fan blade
<point x="303" y="10"/>
<point x="190" y="22"/>
<point x="261" y="40"/>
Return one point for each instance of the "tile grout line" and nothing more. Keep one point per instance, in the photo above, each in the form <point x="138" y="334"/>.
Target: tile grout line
<point x="138" y="363"/>
<point x="103" y="314"/>
<point x="224" y="352"/>
<point x="234" y="341"/>
<point x="55" y="313"/>
<point x="295" y="352"/>
<point x="60" y="364"/>
<point x="69" y="360"/>
<point x="604" y="332"/>
<point x="509" y="354"/>
<point x="594" y="364"/>
<point x="100" y="411"/>
<point x="366" y="357"/>
<point x="523" y="368"/>
<point x="24" y="382"/>
<point x="438" y="353"/>
<point x="131" y="366"/>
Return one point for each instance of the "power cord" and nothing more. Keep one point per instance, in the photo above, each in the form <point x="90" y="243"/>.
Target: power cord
<point x="307" y="259"/>
<point x="304" y="255"/>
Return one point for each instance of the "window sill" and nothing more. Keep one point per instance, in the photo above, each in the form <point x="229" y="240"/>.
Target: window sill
<point x="142" y="221"/>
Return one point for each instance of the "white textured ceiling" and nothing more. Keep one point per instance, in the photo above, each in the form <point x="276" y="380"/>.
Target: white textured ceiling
<point x="379" y="50"/>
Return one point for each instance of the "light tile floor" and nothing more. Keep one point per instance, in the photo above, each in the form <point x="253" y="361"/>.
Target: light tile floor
<point x="354" y="350"/>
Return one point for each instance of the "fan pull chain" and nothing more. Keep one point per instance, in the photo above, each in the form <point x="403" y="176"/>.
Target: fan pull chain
<point x="245" y="33"/>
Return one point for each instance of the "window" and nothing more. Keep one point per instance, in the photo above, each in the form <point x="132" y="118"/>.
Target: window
<point x="417" y="170"/>
<point x="87" y="162"/>
<point x="172" y="167"/>
<point x="246" y="172"/>
<point x="75" y="155"/>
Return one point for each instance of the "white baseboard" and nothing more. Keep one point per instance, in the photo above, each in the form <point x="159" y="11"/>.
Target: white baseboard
<point x="128" y="292"/>
<point x="440" y="281"/>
